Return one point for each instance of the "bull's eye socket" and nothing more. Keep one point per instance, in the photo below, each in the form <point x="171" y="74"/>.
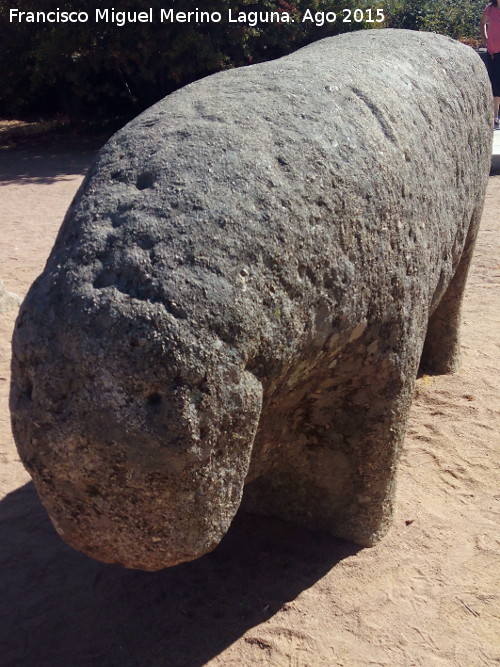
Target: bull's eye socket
<point x="154" y="399"/>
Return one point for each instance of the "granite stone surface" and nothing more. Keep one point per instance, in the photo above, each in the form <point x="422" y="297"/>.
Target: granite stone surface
<point x="241" y="293"/>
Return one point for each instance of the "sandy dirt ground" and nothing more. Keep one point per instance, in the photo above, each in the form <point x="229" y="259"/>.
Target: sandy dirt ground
<point x="271" y="594"/>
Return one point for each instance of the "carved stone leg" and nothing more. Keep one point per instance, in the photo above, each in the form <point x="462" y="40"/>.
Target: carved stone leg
<point x="441" y="352"/>
<point x="340" y="443"/>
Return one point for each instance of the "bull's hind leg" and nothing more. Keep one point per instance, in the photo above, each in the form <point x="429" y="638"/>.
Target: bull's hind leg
<point x="441" y="352"/>
<point x="341" y="442"/>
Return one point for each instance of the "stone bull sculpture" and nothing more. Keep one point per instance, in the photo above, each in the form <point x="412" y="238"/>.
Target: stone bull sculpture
<point x="242" y="291"/>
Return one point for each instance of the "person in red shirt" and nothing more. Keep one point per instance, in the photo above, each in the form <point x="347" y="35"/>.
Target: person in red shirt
<point x="490" y="30"/>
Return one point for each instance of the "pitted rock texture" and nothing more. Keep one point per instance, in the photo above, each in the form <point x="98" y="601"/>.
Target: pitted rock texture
<point x="242" y="291"/>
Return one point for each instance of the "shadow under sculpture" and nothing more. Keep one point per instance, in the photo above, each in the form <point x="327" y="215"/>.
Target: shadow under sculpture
<point x="241" y="292"/>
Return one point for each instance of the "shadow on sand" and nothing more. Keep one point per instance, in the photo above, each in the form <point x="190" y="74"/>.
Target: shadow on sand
<point x="61" y="608"/>
<point x="42" y="164"/>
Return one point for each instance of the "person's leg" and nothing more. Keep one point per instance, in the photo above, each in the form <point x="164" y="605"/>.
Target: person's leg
<point x="495" y="84"/>
<point x="493" y="67"/>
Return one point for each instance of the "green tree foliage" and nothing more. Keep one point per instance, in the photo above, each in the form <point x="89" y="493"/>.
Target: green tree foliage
<point x="101" y="69"/>
<point x="458" y="19"/>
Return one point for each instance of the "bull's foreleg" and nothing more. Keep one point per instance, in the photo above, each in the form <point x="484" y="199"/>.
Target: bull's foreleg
<point x="337" y="468"/>
<point x="441" y="353"/>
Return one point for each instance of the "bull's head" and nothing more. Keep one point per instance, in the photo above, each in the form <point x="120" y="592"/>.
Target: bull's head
<point x="139" y="444"/>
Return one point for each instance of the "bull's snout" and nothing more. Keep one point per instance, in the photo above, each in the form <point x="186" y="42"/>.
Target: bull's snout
<point x="143" y="472"/>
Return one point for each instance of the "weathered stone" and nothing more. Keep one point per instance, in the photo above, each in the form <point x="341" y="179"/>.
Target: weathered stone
<point x="241" y="292"/>
<point x="8" y="300"/>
